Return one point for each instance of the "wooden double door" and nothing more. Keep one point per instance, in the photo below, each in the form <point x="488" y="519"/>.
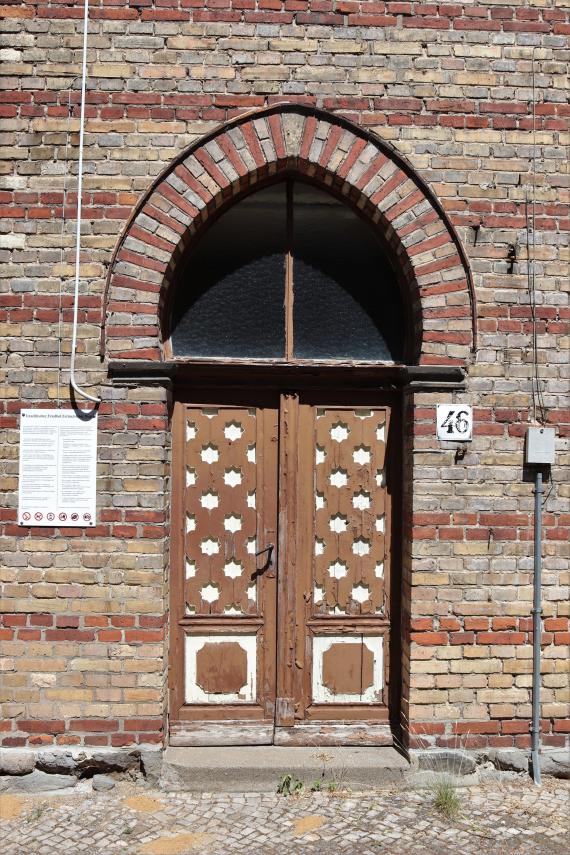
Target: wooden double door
<point x="281" y="561"/>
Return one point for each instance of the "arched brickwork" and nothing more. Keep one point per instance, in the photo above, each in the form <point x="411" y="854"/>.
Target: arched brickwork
<point x="422" y="242"/>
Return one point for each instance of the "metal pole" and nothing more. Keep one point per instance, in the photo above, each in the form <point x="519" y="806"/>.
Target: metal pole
<point x="72" y="379"/>
<point x="536" y="627"/>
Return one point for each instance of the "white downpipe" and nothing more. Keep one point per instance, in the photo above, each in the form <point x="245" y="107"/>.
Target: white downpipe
<point x="72" y="382"/>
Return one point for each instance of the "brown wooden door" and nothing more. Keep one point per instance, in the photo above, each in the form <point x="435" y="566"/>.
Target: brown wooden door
<point x="223" y="588"/>
<point x="296" y="652"/>
<point x="335" y="562"/>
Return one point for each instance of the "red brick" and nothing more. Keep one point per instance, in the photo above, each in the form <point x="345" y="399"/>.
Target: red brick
<point x="143" y="724"/>
<point x="515" y="726"/>
<point x="421" y="624"/>
<point x="476" y="726"/>
<point x="501" y="638"/>
<point x="93" y="724"/>
<point x="141" y="635"/>
<point x="429" y="638"/>
<point x="123" y="620"/>
<point x="41" y="725"/>
<point x="120" y="740"/>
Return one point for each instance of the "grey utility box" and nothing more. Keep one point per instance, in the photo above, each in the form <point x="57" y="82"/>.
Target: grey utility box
<point x="540" y="445"/>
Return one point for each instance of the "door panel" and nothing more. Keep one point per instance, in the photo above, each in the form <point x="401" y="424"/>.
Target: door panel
<point x="296" y="650"/>
<point x="339" y="568"/>
<point x="223" y="608"/>
<point x="349" y="517"/>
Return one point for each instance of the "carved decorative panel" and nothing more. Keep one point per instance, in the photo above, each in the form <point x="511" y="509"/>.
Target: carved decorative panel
<point x="347" y="669"/>
<point x="350" y="523"/>
<point x="220" y="511"/>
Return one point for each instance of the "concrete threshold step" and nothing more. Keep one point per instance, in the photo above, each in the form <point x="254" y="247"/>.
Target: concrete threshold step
<point x="259" y="768"/>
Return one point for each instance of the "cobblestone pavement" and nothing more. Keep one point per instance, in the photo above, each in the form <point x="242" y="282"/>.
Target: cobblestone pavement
<point x="506" y="818"/>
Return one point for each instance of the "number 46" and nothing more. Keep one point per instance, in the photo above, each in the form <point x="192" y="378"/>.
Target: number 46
<point x="456" y="421"/>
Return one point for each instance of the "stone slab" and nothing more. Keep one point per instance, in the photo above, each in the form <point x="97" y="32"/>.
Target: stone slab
<point x="260" y="768"/>
<point x="36" y="782"/>
<point x="103" y="782"/>
<point x="16" y="761"/>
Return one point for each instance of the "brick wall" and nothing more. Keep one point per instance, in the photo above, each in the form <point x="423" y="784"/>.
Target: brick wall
<point x="450" y="86"/>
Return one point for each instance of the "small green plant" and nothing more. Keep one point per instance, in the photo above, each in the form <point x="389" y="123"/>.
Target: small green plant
<point x="317" y="785"/>
<point x="333" y="786"/>
<point x="289" y="785"/>
<point x="37" y="812"/>
<point x="446" y="800"/>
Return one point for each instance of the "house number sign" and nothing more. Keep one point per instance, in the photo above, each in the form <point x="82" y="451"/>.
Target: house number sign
<point x="58" y="468"/>
<point x="454" y="422"/>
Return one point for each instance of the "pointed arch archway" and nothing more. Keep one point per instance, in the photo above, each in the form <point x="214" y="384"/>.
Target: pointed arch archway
<point x="358" y="166"/>
<point x="248" y="449"/>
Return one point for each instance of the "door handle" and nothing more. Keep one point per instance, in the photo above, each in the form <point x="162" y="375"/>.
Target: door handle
<point x="268" y="562"/>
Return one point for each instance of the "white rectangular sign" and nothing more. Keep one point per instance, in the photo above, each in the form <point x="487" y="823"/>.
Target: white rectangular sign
<point x="454" y="422"/>
<point x="58" y="468"/>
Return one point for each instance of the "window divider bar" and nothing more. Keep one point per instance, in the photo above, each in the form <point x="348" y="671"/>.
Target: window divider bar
<point x="289" y="296"/>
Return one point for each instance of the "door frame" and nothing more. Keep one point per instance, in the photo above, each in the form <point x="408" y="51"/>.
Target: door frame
<point x="231" y="383"/>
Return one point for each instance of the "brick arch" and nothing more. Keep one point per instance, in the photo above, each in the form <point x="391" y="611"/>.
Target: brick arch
<point x="423" y="244"/>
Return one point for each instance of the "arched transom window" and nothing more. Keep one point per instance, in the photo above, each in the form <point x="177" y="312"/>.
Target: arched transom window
<point x="288" y="273"/>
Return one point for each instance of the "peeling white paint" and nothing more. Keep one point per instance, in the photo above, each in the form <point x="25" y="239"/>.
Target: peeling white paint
<point x="338" y="478"/>
<point x="232" y="477"/>
<point x="233" y="569"/>
<point x="233" y="431"/>
<point x="338" y="523"/>
<point x="209" y="454"/>
<point x="361" y="455"/>
<point x="339" y="432"/>
<point x="232" y="523"/>
<point x="360" y="593"/>
<point x="361" y="501"/>
<point x="210" y="593"/>
<point x="338" y="570"/>
<point x="361" y="547"/>
<point x="210" y="547"/>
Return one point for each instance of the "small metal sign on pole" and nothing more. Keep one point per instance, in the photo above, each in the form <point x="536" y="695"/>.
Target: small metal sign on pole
<point x="58" y="468"/>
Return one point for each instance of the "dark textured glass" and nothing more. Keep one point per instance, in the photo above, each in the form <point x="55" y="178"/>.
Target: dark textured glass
<point x="347" y="304"/>
<point x="230" y="298"/>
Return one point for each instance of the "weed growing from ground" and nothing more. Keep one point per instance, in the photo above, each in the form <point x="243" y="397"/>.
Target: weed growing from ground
<point x="446" y="799"/>
<point x="289" y="785"/>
